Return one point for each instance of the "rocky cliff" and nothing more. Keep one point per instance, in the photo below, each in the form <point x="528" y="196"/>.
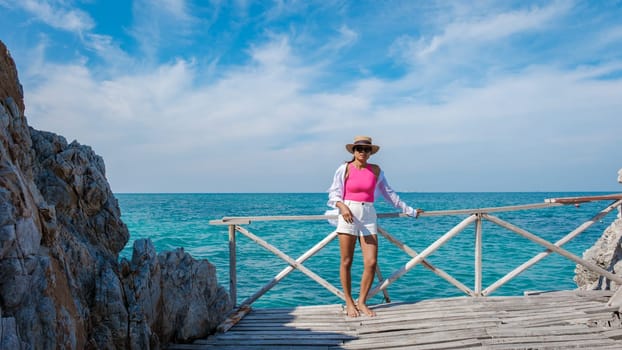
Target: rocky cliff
<point x="606" y="253"/>
<point x="61" y="282"/>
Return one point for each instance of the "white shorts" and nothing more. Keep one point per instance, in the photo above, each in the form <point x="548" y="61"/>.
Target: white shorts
<point x="364" y="215"/>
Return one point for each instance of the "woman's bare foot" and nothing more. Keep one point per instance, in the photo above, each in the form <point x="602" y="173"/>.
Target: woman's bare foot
<point x="351" y="310"/>
<point x="366" y="310"/>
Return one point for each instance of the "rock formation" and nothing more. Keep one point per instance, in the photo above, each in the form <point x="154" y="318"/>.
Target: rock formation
<point x="61" y="282"/>
<point x="171" y="294"/>
<point x="606" y="253"/>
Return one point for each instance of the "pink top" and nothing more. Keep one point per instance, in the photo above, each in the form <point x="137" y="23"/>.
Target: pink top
<point x="360" y="184"/>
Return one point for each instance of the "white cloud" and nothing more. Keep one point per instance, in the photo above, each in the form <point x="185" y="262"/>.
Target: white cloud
<point x="176" y="8"/>
<point x="56" y="15"/>
<point x="476" y="30"/>
<point x="107" y="49"/>
<point x="158" y="21"/>
<point x="608" y="39"/>
<point x="347" y="37"/>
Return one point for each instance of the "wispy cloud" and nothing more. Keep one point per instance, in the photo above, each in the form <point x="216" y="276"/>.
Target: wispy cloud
<point x="346" y="37"/>
<point x="477" y="29"/>
<point x="57" y="14"/>
<point x="109" y="50"/>
<point x="159" y="23"/>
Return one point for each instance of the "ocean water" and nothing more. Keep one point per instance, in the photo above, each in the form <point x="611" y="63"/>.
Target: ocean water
<point x="182" y="220"/>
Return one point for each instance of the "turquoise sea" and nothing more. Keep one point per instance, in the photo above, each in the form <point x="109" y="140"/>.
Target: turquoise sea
<point x="182" y="220"/>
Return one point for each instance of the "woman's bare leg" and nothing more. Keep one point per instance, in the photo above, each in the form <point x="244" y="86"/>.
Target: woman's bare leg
<point x="369" y="246"/>
<point x="346" y="246"/>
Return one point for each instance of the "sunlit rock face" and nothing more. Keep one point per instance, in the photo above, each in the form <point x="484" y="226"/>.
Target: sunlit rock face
<point x="61" y="283"/>
<point x="606" y="253"/>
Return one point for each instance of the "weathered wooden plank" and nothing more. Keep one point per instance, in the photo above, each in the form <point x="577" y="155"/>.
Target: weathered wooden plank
<point x="329" y="315"/>
<point x="317" y="328"/>
<point x="298" y="309"/>
<point x="411" y="344"/>
<point x="431" y="337"/>
<point x="307" y="335"/>
<point x="521" y="343"/>
<point x="246" y="347"/>
<point x="448" y="324"/>
<point x="274" y="332"/>
<point x="544" y="339"/>
<point x="234" y="318"/>
<point x="245" y="220"/>
<point x="573" y="200"/>
<point x="431" y="329"/>
<point x="615" y="333"/>
<point x="233" y="279"/>
<point x="308" y="325"/>
<point x="513" y="331"/>
<point x="428" y="315"/>
<point x="280" y="341"/>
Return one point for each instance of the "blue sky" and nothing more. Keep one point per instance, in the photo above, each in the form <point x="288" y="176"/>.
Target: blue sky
<point x="261" y="96"/>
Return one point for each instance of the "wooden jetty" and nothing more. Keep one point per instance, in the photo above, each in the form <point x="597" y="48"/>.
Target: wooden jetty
<point x="554" y="320"/>
<point x="545" y="320"/>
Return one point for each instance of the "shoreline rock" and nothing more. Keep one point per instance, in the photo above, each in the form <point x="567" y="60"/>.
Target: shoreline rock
<point x="606" y="253"/>
<point x="62" y="284"/>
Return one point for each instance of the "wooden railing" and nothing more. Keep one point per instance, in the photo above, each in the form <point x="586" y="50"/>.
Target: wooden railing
<point x="474" y="216"/>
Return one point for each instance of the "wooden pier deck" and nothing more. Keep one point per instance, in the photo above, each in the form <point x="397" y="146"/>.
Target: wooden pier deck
<point x="553" y="320"/>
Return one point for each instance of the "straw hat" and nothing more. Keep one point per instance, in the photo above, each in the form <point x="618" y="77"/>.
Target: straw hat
<point x="362" y="141"/>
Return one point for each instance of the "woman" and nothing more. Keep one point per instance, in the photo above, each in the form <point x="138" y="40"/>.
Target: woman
<point x="352" y="193"/>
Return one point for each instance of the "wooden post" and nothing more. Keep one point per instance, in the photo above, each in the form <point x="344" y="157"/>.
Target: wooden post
<point x="478" y="256"/>
<point x="232" y="266"/>
<point x="385" y="292"/>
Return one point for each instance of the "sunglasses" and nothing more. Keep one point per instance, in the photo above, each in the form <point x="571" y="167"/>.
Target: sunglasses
<point x="362" y="149"/>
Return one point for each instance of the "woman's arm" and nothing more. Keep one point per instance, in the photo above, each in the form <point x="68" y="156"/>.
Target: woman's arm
<point x="335" y="192"/>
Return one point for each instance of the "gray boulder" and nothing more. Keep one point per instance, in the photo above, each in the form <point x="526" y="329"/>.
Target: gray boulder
<point x="606" y="253"/>
<point x="172" y="293"/>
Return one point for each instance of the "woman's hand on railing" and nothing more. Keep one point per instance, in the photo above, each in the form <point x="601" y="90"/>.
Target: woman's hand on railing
<point x="413" y="212"/>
